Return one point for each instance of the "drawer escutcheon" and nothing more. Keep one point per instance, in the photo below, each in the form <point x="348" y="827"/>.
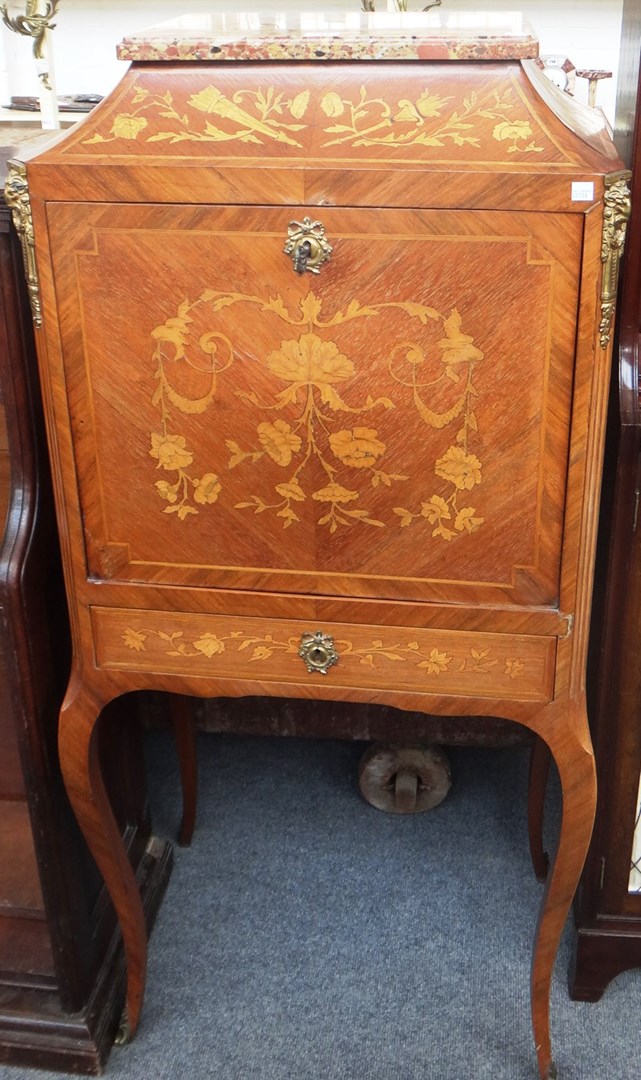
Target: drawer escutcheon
<point x="307" y="245"/>
<point x="318" y="652"/>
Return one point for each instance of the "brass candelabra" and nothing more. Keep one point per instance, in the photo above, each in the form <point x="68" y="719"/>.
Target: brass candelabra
<point x="400" y="5"/>
<point x="35" y="23"/>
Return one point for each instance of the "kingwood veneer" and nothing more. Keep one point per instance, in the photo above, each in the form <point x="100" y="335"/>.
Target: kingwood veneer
<point x="324" y="352"/>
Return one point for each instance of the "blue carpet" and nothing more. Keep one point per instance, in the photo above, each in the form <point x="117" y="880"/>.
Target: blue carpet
<point x="307" y="936"/>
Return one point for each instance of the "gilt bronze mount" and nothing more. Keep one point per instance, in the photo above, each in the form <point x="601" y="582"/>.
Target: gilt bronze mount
<point x="616" y="214"/>
<point x="16" y="194"/>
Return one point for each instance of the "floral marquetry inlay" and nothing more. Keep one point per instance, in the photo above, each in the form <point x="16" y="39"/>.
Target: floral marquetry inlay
<point x="431" y="660"/>
<point x="429" y="120"/>
<point x="220" y="647"/>
<point x="251" y="116"/>
<point x="314" y="421"/>
<point x="493" y="121"/>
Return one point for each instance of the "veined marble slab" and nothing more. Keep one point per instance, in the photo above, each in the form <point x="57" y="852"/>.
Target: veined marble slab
<point x="346" y="35"/>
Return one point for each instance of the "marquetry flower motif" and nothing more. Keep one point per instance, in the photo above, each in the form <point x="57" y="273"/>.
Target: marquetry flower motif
<point x="466" y="661"/>
<point x="332" y="104"/>
<point x="279" y="441"/>
<point x="166" y="490"/>
<point x="435" y="509"/>
<point x="316" y="375"/>
<point x="466" y="520"/>
<point x="170" y="451"/>
<point x="209" y="645"/>
<point x="512" y="129"/>
<point x="134" y="639"/>
<point x="310" y="361"/>
<point x="250" y="116"/>
<point x="207" y="489"/>
<point x="431" y="104"/>
<point x="219" y="114"/>
<point x="457" y="466"/>
<point x="426" y="106"/>
<point x="430" y="120"/>
<point x="334" y="493"/>
<point x="291" y="490"/>
<point x="457" y="347"/>
<point x="460" y="468"/>
<point x="516" y="132"/>
<point x="128" y="126"/>
<point x="359" y="448"/>
<point x="175" y="332"/>
<point x="436" y="662"/>
<point x="210" y="100"/>
<point x="298" y="104"/>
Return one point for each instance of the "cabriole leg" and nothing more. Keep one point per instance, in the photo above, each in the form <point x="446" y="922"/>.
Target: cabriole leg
<point x="79" y="760"/>
<point x="564" y="727"/>
<point x="539" y="772"/>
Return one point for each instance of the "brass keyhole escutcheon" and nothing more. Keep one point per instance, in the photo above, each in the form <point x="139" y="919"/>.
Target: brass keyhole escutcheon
<point x="318" y="652"/>
<point x="307" y="245"/>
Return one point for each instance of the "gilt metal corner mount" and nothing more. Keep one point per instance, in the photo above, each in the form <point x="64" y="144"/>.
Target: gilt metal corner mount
<point x="616" y="213"/>
<point x="16" y="193"/>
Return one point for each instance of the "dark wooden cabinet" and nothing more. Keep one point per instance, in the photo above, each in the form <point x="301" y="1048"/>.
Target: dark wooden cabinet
<point x="60" y="964"/>
<point x="608" y="905"/>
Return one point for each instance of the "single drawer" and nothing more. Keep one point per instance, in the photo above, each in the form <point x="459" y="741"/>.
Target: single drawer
<point x="393" y="658"/>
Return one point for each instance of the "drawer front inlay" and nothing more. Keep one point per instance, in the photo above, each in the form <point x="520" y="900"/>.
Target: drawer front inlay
<point x="431" y="661"/>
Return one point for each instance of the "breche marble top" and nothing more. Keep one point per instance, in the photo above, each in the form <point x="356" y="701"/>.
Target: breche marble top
<point x="340" y="35"/>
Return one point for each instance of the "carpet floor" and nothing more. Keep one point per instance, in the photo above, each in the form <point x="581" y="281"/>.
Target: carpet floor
<point x="307" y="936"/>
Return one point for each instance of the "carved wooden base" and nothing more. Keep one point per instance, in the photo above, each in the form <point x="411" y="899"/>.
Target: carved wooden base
<point x="35" y="1032"/>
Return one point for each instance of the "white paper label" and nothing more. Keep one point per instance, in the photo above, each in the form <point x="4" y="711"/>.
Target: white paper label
<point x="582" y="191"/>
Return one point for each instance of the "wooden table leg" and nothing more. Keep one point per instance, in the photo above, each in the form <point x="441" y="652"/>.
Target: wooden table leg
<point x="565" y="729"/>
<point x="539" y="772"/>
<point x="79" y="760"/>
<point x="184" y="729"/>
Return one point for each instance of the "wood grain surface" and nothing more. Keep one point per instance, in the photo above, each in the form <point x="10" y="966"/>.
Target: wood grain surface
<point x="402" y="451"/>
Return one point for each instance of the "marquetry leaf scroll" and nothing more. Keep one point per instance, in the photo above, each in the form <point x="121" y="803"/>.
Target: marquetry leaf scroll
<point x="267" y="115"/>
<point x="432" y="660"/>
<point x="325" y="424"/>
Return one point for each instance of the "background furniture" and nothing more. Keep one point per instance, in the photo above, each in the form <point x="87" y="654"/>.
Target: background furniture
<point x="608" y="906"/>
<point x="61" y="984"/>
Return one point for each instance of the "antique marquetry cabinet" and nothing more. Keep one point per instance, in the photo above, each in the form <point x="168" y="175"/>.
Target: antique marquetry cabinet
<point x="324" y="325"/>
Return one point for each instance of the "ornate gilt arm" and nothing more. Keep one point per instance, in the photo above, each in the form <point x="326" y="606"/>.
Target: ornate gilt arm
<point x="400" y="5"/>
<point x="34" y="23"/>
